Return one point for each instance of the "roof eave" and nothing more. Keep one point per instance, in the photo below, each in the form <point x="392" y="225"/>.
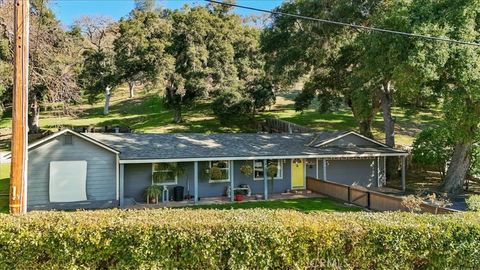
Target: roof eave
<point x="193" y="159"/>
<point x="87" y="138"/>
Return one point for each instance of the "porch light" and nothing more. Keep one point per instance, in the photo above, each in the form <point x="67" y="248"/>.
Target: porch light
<point x="297" y="161"/>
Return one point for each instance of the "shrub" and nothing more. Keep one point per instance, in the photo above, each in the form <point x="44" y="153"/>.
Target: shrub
<point x="238" y="239"/>
<point x="231" y="105"/>
<point x="261" y="92"/>
<point x="473" y="202"/>
<point x="433" y="147"/>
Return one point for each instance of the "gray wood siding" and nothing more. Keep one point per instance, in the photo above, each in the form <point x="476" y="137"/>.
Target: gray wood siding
<point x="139" y="176"/>
<point x="361" y="172"/>
<point x="311" y="167"/>
<point x="101" y="173"/>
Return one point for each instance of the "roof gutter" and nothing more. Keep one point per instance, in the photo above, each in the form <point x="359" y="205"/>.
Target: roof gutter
<point x="140" y="161"/>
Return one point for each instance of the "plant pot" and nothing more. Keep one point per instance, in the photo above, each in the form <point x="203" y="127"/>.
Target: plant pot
<point x="153" y="200"/>
<point x="239" y="197"/>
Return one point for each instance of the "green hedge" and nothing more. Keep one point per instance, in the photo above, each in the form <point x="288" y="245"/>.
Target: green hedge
<point x="238" y="239"/>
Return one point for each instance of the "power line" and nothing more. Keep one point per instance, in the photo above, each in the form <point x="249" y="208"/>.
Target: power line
<point x="375" y="29"/>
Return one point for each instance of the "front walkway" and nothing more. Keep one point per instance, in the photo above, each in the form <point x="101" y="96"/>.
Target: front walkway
<point x="224" y="200"/>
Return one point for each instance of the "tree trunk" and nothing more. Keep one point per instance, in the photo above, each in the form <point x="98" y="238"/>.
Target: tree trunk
<point x="386" y="105"/>
<point x="363" y="119"/>
<point x="365" y="127"/>
<point x="389" y="126"/>
<point x="34" y="117"/>
<point x="131" y="89"/>
<point x="458" y="168"/>
<point x="106" y="108"/>
<point x="177" y="114"/>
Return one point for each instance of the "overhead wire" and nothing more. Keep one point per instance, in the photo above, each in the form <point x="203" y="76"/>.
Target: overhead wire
<point x="351" y="25"/>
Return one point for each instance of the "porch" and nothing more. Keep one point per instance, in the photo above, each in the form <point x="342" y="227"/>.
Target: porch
<point x="200" y="184"/>
<point x="300" y="194"/>
<point x="200" y="187"/>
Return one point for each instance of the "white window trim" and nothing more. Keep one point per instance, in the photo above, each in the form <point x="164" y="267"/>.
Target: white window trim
<point x="166" y="183"/>
<point x="210" y="181"/>
<point x="279" y="173"/>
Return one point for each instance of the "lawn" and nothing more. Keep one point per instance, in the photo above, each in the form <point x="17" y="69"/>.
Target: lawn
<point x="146" y="113"/>
<point x="303" y="205"/>
<point x="4" y="185"/>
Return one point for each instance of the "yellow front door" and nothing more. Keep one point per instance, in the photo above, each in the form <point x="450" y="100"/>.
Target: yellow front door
<point x="298" y="173"/>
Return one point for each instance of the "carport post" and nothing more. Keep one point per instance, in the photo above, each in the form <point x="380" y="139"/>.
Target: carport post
<point x="195" y="182"/>
<point x="121" y="185"/>
<point x="265" y="180"/>
<point x="324" y="169"/>
<point x="232" y="184"/>
<point x="403" y="173"/>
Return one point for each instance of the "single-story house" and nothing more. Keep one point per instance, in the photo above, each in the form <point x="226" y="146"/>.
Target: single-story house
<point x="69" y="170"/>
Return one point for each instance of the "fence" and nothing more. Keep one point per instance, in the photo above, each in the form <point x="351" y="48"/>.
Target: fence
<point x="273" y="125"/>
<point x="366" y="198"/>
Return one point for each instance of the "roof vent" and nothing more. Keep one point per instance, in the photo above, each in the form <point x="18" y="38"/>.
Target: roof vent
<point x="67" y="139"/>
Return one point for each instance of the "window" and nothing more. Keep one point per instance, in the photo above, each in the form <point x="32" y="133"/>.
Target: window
<point x="219" y="171"/>
<point x="164" y="174"/>
<point x="258" y="169"/>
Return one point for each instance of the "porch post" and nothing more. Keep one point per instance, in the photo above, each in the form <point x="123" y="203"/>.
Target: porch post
<point x="121" y="185"/>
<point x="265" y="180"/>
<point x="195" y="182"/>
<point x="403" y="173"/>
<point x="232" y="184"/>
<point x="378" y="171"/>
<point x="324" y="169"/>
<point x="384" y="170"/>
<point x="316" y="168"/>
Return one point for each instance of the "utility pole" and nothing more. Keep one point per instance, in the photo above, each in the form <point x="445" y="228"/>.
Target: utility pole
<point x="19" y="109"/>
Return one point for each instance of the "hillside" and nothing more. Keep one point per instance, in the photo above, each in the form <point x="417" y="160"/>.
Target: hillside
<point x="146" y="113"/>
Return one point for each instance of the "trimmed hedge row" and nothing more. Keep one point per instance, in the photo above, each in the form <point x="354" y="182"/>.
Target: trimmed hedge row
<point x="238" y="239"/>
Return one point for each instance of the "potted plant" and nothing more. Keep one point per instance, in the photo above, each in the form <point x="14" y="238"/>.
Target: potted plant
<point x="246" y="170"/>
<point x="239" y="196"/>
<point x="215" y="173"/>
<point x="168" y="171"/>
<point x="153" y="192"/>
<point x="272" y="170"/>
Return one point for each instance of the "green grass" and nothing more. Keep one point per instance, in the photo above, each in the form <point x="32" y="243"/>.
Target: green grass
<point x="146" y="113"/>
<point x="4" y="187"/>
<point x="408" y="122"/>
<point x="303" y="205"/>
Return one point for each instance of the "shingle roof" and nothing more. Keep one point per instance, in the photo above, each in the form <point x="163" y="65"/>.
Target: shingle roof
<point x="322" y="137"/>
<point x="134" y="146"/>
